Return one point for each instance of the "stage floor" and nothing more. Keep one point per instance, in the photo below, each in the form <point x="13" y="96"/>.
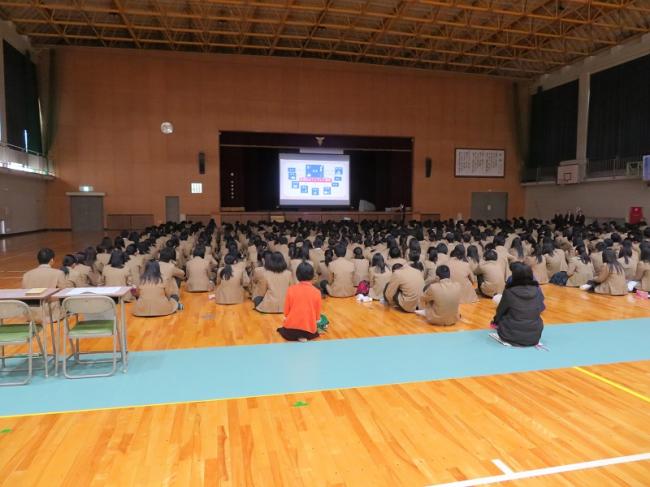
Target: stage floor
<point x="420" y="405"/>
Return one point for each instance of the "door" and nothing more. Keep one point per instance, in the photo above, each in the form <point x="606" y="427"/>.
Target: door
<point x="488" y="206"/>
<point x="172" y="209"/>
<point x="87" y="213"/>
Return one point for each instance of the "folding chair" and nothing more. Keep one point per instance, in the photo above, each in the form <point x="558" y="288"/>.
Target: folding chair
<point x="89" y="305"/>
<point x="20" y="333"/>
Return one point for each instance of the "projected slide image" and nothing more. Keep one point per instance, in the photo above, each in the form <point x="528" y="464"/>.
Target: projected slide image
<point x="313" y="179"/>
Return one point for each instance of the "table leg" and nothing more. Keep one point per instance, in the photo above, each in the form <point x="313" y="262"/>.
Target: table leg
<point x="55" y="338"/>
<point x="123" y="345"/>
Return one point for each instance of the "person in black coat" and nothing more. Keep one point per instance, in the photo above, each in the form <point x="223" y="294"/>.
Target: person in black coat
<point x="518" y="318"/>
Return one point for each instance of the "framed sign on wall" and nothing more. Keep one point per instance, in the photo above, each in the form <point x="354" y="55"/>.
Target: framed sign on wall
<point x="480" y="163"/>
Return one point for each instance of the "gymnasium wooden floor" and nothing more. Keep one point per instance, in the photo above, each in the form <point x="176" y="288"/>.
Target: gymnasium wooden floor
<point x="415" y="434"/>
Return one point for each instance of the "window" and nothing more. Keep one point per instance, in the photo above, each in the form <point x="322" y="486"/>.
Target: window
<point x="196" y="188"/>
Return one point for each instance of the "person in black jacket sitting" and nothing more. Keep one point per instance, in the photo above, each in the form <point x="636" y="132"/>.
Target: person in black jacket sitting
<point x="518" y="319"/>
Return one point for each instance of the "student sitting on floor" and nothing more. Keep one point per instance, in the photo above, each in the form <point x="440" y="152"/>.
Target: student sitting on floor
<point x="153" y="295"/>
<point x="611" y="279"/>
<point x="341" y="276"/>
<point x="643" y="269"/>
<point x="537" y="262"/>
<point x="462" y="274"/>
<point x="199" y="272"/>
<point x="171" y="274"/>
<point x="45" y="276"/>
<point x="73" y="275"/>
<point x="117" y="274"/>
<point x="441" y="299"/>
<point x="581" y="270"/>
<point x="232" y="281"/>
<point x="272" y="285"/>
<point x="518" y="317"/>
<point x="361" y="267"/>
<point x="302" y="307"/>
<point x="490" y="275"/>
<point x="430" y="265"/>
<point x="404" y="288"/>
<point x="379" y="277"/>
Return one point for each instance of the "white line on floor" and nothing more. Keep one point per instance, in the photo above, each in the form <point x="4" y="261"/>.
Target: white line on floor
<point x="546" y="471"/>
<point x="502" y="466"/>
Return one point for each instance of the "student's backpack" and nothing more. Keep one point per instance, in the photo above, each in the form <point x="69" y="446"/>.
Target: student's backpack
<point x="363" y="287"/>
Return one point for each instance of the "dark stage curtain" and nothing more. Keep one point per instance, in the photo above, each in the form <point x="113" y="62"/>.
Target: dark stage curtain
<point x="619" y="111"/>
<point x="21" y="100"/>
<point x="249" y="177"/>
<point x="553" y="125"/>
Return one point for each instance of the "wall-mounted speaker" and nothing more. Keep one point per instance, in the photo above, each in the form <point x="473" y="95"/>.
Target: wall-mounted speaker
<point x="201" y="162"/>
<point x="427" y="167"/>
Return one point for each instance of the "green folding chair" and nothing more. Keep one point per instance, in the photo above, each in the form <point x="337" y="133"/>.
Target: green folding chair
<point x="80" y="306"/>
<point x="20" y="333"/>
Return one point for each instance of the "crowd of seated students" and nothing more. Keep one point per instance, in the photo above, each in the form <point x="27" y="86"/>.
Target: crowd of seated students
<point x="429" y="267"/>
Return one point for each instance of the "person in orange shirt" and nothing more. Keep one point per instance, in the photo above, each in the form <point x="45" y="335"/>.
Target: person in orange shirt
<point x="302" y="307"/>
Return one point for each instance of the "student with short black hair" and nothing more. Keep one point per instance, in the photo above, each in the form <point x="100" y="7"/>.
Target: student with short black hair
<point x="490" y="275"/>
<point x="581" y="269"/>
<point x="172" y="275"/>
<point x="340" y="283"/>
<point x="404" y="288"/>
<point x="116" y="274"/>
<point x="45" y="276"/>
<point x="361" y="266"/>
<point x="273" y="283"/>
<point x="302" y="307"/>
<point x="441" y="299"/>
<point x="199" y="272"/>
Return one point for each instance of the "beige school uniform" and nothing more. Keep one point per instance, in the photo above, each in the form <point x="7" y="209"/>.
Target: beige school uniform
<point x="430" y="271"/>
<point x="629" y="267"/>
<point x="199" y="275"/>
<point x="101" y="261"/>
<point x="613" y="283"/>
<point x="540" y="273"/>
<point x="556" y="262"/>
<point x="643" y="276"/>
<point x="406" y="285"/>
<point x="579" y="273"/>
<point x="135" y="266"/>
<point x="94" y="277"/>
<point x="341" y="279"/>
<point x="233" y="290"/>
<point x="461" y="273"/>
<point x="48" y="277"/>
<point x="361" y="270"/>
<point x="170" y="273"/>
<point x="440" y="301"/>
<point x="378" y="282"/>
<point x="493" y="282"/>
<point x="153" y="300"/>
<point x="503" y="257"/>
<point x="316" y="256"/>
<point x="77" y="278"/>
<point x="597" y="261"/>
<point x="113" y="277"/>
<point x="323" y="272"/>
<point x="273" y="289"/>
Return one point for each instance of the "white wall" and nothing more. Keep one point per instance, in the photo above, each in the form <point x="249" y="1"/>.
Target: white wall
<point x="22" y="202"/>
<point x="598" y="199"/>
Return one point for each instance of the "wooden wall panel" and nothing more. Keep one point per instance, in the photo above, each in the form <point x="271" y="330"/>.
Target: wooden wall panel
<point x="111" y="103"/>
